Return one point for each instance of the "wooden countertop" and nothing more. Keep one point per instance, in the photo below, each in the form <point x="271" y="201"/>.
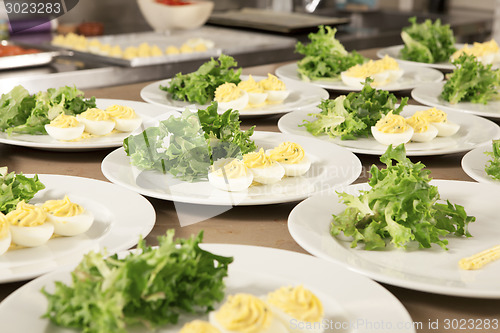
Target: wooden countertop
<point x="256" y="225"/>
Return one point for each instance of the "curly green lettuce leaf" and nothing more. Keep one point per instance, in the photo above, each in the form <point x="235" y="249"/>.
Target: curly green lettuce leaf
<point x="492" y="167"/>
<point x="151" y="286"/>
<point x="400" y="207"/>
<point x="471" y="81"/>
<point x="325" y="57"/>
<point x="199" y="86"/>
<point x="428" y="42"/>
<point x="15" y="107"/>
<point x="15" y="188"/>
<point x="350" y="117"/>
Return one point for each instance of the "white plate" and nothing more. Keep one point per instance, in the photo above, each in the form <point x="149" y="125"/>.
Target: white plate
<point x="430" y="95"/>
<point x="412" y="77"/>
<point x="394" y="52"/>
<point x="144" y="110"/>
<point x="348" y="298"/>
<point x="302" y="96"/>
<point x="431" y="270"/>
<point x="332" y="168"/>
<point x="474" y="131"/>
<point x="121" y="217"/>
<point x="474" y="162"/>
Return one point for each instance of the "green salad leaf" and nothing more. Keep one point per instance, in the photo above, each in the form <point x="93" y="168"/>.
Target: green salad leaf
<point x="325" y="57"/>
<point x="151" y="286"/>
<point x="186" y="146"/>
<point x="199" y="86"/>
<point x="401" y="207"/>
<point x="21" y="112"/>
<point x="428" y="42"/>
<point x="471" y="81"/>
<point x="352" y="116"/>
<point x="15" y="188"/>
<point x="492" y="167"/>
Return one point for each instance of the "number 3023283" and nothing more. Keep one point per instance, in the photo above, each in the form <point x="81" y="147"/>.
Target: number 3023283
<point x="33" y="8"/>
<point x="471" y="324"/>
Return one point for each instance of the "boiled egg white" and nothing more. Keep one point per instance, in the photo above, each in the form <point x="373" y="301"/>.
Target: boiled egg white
<point x="392" y="129"/>
<point x="126" y="120"/>
<point x="96" y="121"/>
<point x="230" y="174"/>
<point x="28" y="225"/>
<point x="5" y="236"/>
<point x="68" y="218"/>
<point x="423" y="131"/>
<point x="487" y="52"/>
<point x="383" y="72"/>
<point x="297" y="308"/>
<point x="275" y="88"/>
<point x="229" y="96"/>
<point x="64" y="127"/>
<point x="264" y="169"/>
<point x="439" y="119"/>
<point x="256" y="94"/>
<point x="245" y="313"/>
<point x="292" y="158"/>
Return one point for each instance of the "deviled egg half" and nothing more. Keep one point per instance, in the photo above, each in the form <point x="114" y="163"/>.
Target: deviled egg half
<point x="392" y="129"/>
<point x="245" y="313"/>
<point x="68" y="218"/>
<point x="96" y="121"/>
<point x="439" y="119"/>
<point x="256" y="94"/>
<point x="487" y="52"/>
<point x="29" y="226"/>
<point x="275" y="88"/>
<point x="126" y="120"/>
<point x="199" y="326"/>
<point x="229" y="96"/>
<point x="65" y="128"/>
<point x="292" y="158"/>
<point x="230" y="174"/>
<point x="5" y="237"/>
<point x="423" y="131"/>
<point x="297" y="308"/>
<point x="383" y="72"/>
<point x="264" y="169"/>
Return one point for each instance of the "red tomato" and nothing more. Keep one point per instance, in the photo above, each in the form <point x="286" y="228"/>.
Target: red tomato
<point x="12" y="50"/>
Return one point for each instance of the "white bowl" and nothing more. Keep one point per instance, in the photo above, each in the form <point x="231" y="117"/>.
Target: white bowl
<point x="164" y="18"/>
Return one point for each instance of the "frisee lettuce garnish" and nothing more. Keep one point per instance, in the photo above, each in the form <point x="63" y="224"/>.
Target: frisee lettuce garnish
<point x="15" y="188"/>
<point x="427" y="42"/>
<point x="21" y="112"/>
<point x="492" y="167"/>
<point x="352" y="116"/>
<point x="325" y="57"/>
<point x="199" y="86"/>
<point x="471" y="81"/>
<point x="151" y="286"/>
<point x="186" y="146"/>
<point x="400" y="207"/>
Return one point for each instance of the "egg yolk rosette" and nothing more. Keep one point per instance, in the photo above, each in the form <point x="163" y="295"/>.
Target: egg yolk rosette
<point x="256" y="94"/>
<point x="487" y="52"/>
<point x="244" y="313"/>
<point x="264" y="169"/>
<point x="298" y="302"/>
<point x="229" y="96"/>
<point x="5" y="237"/>
<point x="126" y="120"/>
<point x="62" y="208"/>
<point x="423" y="131"/>
<point x="439" y="119"/>
<point x="292" y="157"/>
<point x="64" y="127"/>
<point x="28" y="225"/>
<point x="26" y="215"/>
<point x="383" y="71"/>
<point x="392" y="129"/>
<point x="230" y="175"/>
<point x="67" y="217"/>
<point x="199" y="326"/>
<point x="96" y="121"/>
<point x="275" y="88"/>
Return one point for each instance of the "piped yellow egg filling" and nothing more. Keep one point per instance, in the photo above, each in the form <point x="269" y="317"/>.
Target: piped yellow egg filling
<point x="257" y="159"/>
<point x="419" y="122"/>
<point x="121" y="112"/>
<point x="244" y="313"/>
<point x="199" y="326"/>
<point x="287" y="152"/>
<point x="251" y="86"/>
<point x="478" y="49"/>
<point x="227" y="92"/>
<point x="434" y="115"/>
<point x="298" y="302"/>
<point x="64" y="121"/>
<point x="392" y="123"/>
<point x="63" y="208"/>
<point x="373" y="67"/>
<point x="233" y="169"/>
<point x="95" y="114"/>
<point x="272" y="83"/>
<point x="26" y="215"/>
<point x="4" y="226"/>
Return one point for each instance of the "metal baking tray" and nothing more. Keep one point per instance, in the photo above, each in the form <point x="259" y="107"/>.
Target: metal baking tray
<point x="227" y="41"/>
<point x="268" y="20"/>
<point x="41" y="58"/>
